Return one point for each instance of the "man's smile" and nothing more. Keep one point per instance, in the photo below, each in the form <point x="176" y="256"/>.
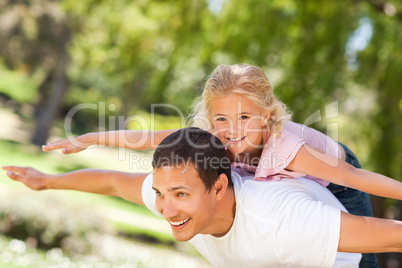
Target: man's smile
<point x="176" y="224"/>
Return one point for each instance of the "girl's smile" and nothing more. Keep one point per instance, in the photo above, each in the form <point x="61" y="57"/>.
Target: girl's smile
<point x="239" y="124"/>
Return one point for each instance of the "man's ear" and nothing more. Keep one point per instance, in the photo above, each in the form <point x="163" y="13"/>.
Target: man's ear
<point x="221" y="185"/>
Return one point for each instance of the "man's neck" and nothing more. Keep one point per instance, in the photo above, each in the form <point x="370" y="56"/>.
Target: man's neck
<point x="225" y="211"/>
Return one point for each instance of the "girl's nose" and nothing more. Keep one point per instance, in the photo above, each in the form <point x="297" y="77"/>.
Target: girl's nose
<point x="235" y="127"/>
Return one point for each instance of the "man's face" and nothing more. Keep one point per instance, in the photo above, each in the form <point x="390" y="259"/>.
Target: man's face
<point x="184" y="202"/>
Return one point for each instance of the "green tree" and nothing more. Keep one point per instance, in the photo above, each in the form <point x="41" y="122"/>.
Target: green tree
<point x="380" y="68"/>
<point x="37" y="34"/>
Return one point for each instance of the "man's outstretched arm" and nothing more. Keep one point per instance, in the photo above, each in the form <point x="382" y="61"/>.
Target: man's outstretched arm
<point x="105" y="182"/>
<point x="369" y="235"/>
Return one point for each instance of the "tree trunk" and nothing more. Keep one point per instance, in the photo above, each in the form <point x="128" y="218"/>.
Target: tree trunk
<point x="48" y="114"/>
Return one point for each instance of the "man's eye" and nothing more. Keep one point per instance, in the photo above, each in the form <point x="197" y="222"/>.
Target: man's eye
<point x="220" y="119"/>
<point x="158" y="194"/>
<point x="182" y="194"/>
<point x="243" y="117"/>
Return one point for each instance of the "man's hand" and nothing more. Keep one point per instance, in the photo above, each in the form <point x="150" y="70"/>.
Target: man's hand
<point x="31" y="177"/>
<point x="126" y="185"/>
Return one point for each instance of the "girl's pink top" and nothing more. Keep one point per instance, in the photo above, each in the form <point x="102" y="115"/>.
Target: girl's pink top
<point x="279" y="151"/>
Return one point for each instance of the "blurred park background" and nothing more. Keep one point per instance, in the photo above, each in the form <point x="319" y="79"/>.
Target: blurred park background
<point x="337" y="65"/>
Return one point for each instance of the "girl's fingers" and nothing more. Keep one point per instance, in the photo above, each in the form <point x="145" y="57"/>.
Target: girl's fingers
<point x="71" y="150"/>
<point x="54" y="145"/>
<point x="67" y="151"/>
<point x="66" y="146"/>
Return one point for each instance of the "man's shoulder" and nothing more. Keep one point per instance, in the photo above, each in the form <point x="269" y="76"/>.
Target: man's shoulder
<point x="246" y="184"/>
<point x="269" y="195"/>
<point x="251" y="194"/>
<point x="240" y="176"/>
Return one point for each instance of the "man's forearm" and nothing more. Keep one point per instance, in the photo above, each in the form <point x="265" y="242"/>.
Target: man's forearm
<point x="105" y="182"/>
<point x="369" y="235"/>
<point x="113" y="183"/>
<point x="85" y="180"/>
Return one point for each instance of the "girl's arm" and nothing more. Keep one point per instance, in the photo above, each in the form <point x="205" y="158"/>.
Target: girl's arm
<point x="132" y="139"/>
<point x="314" y="162"/>
<point x="113" y="183"/>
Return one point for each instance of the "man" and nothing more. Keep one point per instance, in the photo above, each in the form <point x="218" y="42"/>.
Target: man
<point x="234" y="221"/>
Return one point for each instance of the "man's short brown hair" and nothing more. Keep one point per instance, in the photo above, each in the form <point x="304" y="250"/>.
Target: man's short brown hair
<point x="197" y="147"/>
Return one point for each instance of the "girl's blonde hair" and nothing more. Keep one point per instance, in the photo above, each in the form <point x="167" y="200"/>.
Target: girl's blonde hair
<point x="244" y="79"/>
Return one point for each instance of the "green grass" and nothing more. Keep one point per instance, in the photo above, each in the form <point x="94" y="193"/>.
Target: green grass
<point x="16" y="153"/>
<point x="13" y="152"/>
<point x="8" y="265"/>
<point x="141" y="233"/>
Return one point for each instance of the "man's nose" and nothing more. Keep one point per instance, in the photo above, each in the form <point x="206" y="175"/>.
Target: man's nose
<point x="169" y="209"/>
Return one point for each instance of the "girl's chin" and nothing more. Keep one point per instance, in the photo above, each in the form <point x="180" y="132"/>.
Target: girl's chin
<point x="235" y="150"/>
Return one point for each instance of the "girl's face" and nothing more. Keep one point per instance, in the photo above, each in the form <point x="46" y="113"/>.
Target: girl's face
<point x="239" y="123"/>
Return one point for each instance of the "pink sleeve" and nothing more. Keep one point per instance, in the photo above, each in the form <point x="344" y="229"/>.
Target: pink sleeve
<point x="277" y="154"/>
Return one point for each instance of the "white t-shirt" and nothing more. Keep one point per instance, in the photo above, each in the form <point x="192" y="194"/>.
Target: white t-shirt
<point x="290" y="223"/>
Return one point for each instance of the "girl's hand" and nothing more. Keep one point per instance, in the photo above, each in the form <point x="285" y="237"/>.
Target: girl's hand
<point x="31" y="177"/>
<point x="68" y="146"/>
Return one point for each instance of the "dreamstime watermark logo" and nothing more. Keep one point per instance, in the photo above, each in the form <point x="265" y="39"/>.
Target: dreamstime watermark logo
<point x="234" y="132"/>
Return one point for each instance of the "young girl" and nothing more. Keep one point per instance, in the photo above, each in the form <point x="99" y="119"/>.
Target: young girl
<point x="239" y="107"/>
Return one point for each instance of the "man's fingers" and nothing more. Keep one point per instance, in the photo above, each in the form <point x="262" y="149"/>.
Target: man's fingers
<point x="6" y="167"/>
<point x="12" y="175"/>
<point x="16" y="169"/>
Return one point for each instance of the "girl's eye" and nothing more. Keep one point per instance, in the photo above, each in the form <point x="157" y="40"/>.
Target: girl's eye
<point x="243" y="117"/>
<point x="220" y="119"/>
<point x="158" y="194"/>
<point x="182" y="194"/>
